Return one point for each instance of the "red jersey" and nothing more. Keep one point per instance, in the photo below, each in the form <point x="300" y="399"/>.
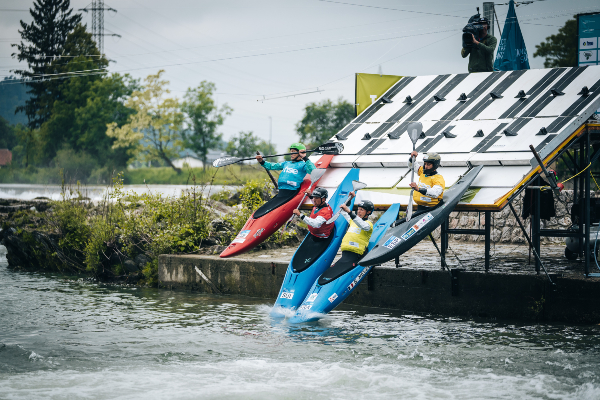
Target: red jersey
<point x="324" y="230"/>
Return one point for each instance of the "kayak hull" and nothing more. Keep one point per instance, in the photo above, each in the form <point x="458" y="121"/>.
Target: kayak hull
<point x="257" y="230"/>
<point x="321" y="299"/>
<point x="396" y="241"/>
<point x="297" y="284"/>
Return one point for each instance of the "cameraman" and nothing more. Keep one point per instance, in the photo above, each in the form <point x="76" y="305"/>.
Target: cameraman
<point x="481" y="51"/>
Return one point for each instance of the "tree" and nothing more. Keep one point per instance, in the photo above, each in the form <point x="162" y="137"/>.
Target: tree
<point x="8" y="139"/>
<point x="246" y="144"/>
<point x="43" y="41"/>
<point x="560" y="50"/>
<point x="203" y="118"/>
<point x="323" y="120"/>
<point x="154" y="131"/>
<point x="80" y="53"/>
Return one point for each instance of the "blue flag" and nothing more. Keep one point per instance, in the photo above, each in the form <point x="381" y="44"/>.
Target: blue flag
<point x="512" y="54"/>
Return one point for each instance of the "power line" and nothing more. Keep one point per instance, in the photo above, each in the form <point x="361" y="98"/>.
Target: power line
<point x="390" y="9"/>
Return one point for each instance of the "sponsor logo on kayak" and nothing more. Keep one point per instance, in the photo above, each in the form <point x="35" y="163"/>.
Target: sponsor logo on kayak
<point x="305" y="307"/>
<point x="332" y="297"/>
<point x="312" y="297"/>
<point x="358" y="278"/>
<point x="287" y="295"/>
<point x="243" y="234"/>
<point x="259" y="232"/>
<point x="307" y="260"/>
<point x="391" y="242"/>
<point x="238" y="240"/>
<point x="415" y="228"/>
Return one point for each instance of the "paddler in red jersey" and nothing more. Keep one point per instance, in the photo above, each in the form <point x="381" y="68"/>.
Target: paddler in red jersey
<point x="320" y="214"/>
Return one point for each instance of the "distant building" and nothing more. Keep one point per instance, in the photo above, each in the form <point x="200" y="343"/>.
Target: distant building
<point x="188" y="161"/>
<point x="5" y="157"/>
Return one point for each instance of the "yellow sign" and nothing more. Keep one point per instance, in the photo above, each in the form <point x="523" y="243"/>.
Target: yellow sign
<point x="369" y="87"/>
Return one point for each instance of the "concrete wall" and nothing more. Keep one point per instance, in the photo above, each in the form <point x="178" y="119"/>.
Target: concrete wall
<point x="466" y="294"/>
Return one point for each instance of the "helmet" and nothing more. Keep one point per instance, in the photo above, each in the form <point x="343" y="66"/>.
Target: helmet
<point x="433" y="158"/>
<point x="320" y="193"/>
<point x="484" y="20"/>
<point x="297" y="146"/>
<point x="367" y="205"/>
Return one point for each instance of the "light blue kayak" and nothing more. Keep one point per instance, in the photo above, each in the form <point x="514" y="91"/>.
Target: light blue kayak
<point x="336" y="283"/>
<point x="313" y="257"/>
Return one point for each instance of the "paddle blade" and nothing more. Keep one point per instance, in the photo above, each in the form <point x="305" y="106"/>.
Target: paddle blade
<point x="317" y="174"/>
<point x="357" y="185"/>
<point x="223" y="161"/>
<point x="409" y="209"/>
<point x="414" y="131"/>
<point x="330" y="148"/>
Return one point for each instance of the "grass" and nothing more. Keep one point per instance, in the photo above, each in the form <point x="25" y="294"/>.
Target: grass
<point x="231" y="175"/>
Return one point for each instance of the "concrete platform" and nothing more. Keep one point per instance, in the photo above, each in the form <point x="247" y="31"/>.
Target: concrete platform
<point x="510" y="290"/>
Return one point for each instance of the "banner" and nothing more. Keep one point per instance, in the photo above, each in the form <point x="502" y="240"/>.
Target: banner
<point x="369" y="87"/>
<point x="512" y="54"/>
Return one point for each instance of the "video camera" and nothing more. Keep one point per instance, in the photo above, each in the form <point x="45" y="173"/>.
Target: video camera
<point x="475" y="27"/>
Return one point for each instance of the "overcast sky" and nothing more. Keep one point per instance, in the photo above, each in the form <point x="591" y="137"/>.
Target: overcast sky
<point x="271" y="48"/>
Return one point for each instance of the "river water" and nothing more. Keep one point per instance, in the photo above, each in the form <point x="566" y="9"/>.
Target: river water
<point x="95" y="193"/>
<point x="61" y="337"/>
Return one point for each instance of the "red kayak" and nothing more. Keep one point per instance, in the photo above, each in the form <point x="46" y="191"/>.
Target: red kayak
<point x="268" y="218"/>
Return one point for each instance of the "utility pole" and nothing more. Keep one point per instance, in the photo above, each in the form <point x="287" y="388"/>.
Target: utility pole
<point x="97" y="8"/>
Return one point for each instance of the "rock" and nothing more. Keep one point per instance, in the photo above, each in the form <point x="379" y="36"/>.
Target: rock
<point x="210" y="241"/>
<point x="141" y="260"/>
<point x="130" y="265"/>
<point x="220" y="225"/>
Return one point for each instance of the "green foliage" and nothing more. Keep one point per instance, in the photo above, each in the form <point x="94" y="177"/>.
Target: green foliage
<point x="323" y="120"/>
<point x="8" y="138"/>
<point x="560" y="50"/>
<point x="71" y="94"/>
<point x="153" y="132"/>
<point x="246" y="144"/>
<point x="203" y="118"/>
<point x="43" y="41"/>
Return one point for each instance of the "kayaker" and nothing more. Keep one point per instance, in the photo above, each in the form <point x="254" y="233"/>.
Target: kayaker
<point x="356" y="239"/>
<point x="429" y="191"/>
<point x="319" y="215"/>
<point x="290" y="179"/>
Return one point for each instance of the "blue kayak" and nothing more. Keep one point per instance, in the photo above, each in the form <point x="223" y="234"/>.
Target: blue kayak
<point x="337" y="282"/>
<point x="313" y="257"/>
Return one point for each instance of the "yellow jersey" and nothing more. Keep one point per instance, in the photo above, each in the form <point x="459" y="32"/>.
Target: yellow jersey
<point x="428" y="183"/>
<point x="356" y="240"/>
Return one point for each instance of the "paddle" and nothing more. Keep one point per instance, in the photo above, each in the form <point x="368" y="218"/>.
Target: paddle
<point x="314" y="177"/>
<point x="270" y="175"/>
<point x="325" y="148"/>
<point x="356" y="186"/>
<point x="414" y="131"/>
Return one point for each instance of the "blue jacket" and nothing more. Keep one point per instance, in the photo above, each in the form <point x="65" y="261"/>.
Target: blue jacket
<point x="293" y="172"/>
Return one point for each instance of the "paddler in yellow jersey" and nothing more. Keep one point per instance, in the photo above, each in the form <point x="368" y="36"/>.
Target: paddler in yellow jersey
<point x="429" y="191"/>
<point x="356" y="239"/>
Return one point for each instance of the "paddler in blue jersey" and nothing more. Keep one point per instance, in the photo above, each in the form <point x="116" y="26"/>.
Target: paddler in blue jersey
<point x="290" y="179"/>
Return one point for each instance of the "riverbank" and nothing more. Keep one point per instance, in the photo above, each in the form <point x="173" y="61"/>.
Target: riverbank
<point x="511" y="290"/>
<point x="120" y="237"/>
<point x="236" y="174"/>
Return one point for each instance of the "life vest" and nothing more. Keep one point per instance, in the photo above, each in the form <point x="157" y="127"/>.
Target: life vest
<point x="324" y="230"/>
<point x="428" y="182"/>
<point x="356" y="240"/>
<point x="292" y="175"/>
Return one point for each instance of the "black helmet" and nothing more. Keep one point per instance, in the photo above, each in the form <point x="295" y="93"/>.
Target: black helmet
<point x="320" y="193"/>
<point x="433" y="158"/>
<point x="484" y="20"/>
<point x="367" y="205"/>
